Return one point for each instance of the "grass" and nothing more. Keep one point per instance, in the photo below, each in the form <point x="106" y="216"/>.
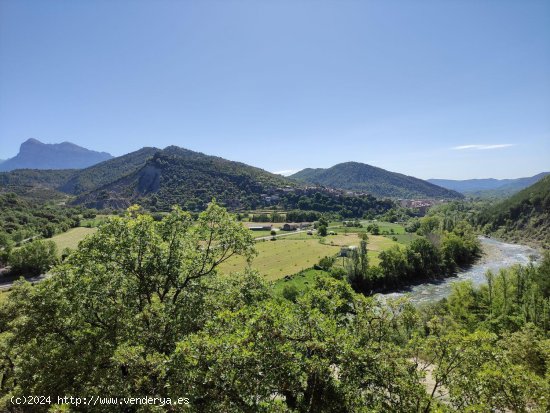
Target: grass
<point x="71" y="238"/>
<point x="385" y="227"/>
<point x="94" y="222"/>
<point x="294" y="253"/>
<point x="277" y="259"/>
<point x="301" y="280"/>
<point x="259" y="234"/>
<point x="403" y="238"/>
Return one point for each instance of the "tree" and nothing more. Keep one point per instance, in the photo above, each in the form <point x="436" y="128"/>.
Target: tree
<point x="33" y="258"/>
<point x="6" y="245"/>
<point x="358" y="268"/>
<point x="109" y="318"/>
<point x="322" y="230"/>
<point x="374" y="229"/>
<point x="428" y="224"/>
<point x="393" y="263"/>
<point x="312" y="354"/>
<point x="326" y="263"/>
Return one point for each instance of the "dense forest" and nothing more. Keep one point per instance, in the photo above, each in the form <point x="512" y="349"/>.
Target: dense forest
<point x="139" y="309"/>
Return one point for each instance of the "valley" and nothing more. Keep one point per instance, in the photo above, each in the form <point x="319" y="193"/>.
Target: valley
<point x="227" y="247"/>
<point x="274" y="207"/>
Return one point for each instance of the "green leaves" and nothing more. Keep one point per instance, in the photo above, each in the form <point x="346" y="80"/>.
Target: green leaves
<point x="112" y="313"/>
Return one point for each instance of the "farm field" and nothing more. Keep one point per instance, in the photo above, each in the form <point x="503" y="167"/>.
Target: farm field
<point x="276" y="259"/>
<point x="384" y="227"/>
<point x="260" y="234"/>
<point x="71" y="238"/>
<point x="403" y="238"/>
<point x="282" y="257"/>
<point x="292" y="254"/>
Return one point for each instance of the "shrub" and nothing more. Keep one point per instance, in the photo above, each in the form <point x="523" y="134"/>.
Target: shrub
<point x="33" y="258"/>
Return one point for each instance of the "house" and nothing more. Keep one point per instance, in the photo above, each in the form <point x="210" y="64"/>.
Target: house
<point x="345" y="251"/>
<point x="261" y="228"/>
<point x="290" y="227"/>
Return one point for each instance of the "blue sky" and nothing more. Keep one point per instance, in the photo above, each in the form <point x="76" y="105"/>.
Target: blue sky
<point x="446" y="89"/>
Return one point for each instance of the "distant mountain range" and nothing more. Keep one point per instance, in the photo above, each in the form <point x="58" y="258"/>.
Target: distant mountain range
<point x="355" y="176"/>
<point x="489" y="187"/>
<point x="34" y="154"/>
<point x="159" y="178"/>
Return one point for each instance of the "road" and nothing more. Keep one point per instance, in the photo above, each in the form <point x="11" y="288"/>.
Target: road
<point x="6" y="285"/>
<point x="286" y="234"/>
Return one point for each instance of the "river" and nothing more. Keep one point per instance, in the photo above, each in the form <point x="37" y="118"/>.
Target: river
<point x="496" y="255"/>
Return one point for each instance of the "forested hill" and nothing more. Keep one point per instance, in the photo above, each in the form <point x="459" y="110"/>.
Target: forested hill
<point x="524" y="216"/>
<point x="66" y="155"/>
<point x="361" y="177"/>
<point x="157" y="178"/>
<point x="160" y="178"/>
<point x="44" y="183"/>
<point x="180" y="176"/>
<point x="106" y="172"/>
<point x="486" y="188"/>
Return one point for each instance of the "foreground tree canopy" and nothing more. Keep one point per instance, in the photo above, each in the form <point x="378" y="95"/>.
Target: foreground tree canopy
<point x="140" y="310"/>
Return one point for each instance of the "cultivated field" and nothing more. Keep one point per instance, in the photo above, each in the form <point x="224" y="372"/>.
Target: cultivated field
<point x="384" y="227"/>
<point x="71" y="238"/>
<point x="289" y="255"/>
<point x="283" y="257"/>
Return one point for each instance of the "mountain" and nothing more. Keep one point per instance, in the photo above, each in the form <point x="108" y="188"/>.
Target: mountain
<point x="180" y="176"/>
<point x="361" y="177"/>
<point x="34" y="154"/>
<point x="58" y="183"/>
<point x="93" y="177"/>
<point x="524" y="216"/>
<point x="155" y="178"/>
<point x="488" y="187"/>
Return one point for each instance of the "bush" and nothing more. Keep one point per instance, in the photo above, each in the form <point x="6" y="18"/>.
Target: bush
<point x="326" y="263"/>
<point x="290" y="292"/>
<point x="33" y="258"/>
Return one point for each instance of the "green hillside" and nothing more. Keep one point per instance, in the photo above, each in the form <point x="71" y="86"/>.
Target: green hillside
<point x="35" y="184"/>
<point x="158" y="179"/>
<point x="50" y="184"/>
<point x="357" y="176"/>
<point x="524" y="216"/>
<point x="91" y="178"/>
<point x="180" y="176"/>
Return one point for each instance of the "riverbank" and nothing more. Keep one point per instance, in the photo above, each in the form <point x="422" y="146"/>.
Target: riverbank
<point x="496" y="255"/>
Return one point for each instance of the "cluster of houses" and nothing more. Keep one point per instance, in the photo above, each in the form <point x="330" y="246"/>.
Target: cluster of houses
<point x="286" y="227"/>
<point x="422" y="205"/>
